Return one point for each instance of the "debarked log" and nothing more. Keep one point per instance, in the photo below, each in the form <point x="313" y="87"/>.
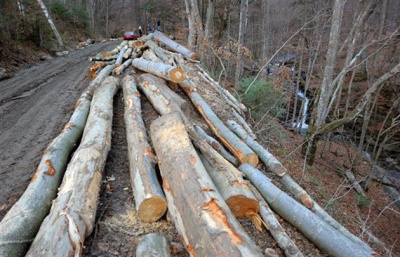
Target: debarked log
<point x="163" y="99"/>
<point x="320" y="233"/>
<point x="162" y="70"/>
<point x="22" y="222"/>
<point x="150" y="201"/>
<point x="174" y="45"/>
<point x="71" y="218"/>
<point x="241" y="151"/>
<point x="201" y="216"/>
<point x="153" y="245"/>
<point x="290" y="185"/>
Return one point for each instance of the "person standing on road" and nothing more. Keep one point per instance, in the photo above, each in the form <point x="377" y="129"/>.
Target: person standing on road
<point x="158" y="25"/>
<point x="149" y="30"/>
<point x="140" y="31"/>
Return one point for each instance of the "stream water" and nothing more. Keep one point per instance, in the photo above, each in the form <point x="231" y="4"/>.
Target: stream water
<point x="301" y="124"/>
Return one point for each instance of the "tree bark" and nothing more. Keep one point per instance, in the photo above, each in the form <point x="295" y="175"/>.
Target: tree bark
<point x="241" y="151"/>
<point x="153" y="245"/>
<point x="320" y="233"/>
<point x="201" y="216"/>
<point x="244" y="5"/>
<point x="216" y="145"/>
<point x="120" y="57"/>
<point x="162" y="70"/>
<point x="150" y="201"/>
<point x="290" y="185"/>
<point x="230" y="183"/>
<point x="275" y="228"/>
<point x="72" y="216"/>
<point x="120" y="69"/>
<point x="22" y="222"/>
<point x="50" y="21"/>
<point x="174" y="45"/>
<point x="163" y="99"/>
<point x="128" y="52"/>
<point x="158" y="51"/>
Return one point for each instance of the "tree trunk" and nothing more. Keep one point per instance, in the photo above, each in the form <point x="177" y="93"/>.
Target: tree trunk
<point x="191" y="23"/>
<point x="229" y="182"/>
<point x="265" y="31"/>
<point x="209" y="27"/>
<point x="201" y="216"/>
<point x="163" y="99"/>
<point x="216" y="145"/>
<point x="174" y="45"/>
<point x="290" y="185"/>
<point x="120" y="57"/>
<point x="244" y="5"/>
<point x="162" y="70"/>
<point x="275" y="228"/>
<point x="149" y="55"/>
<point x="72" y="215"/>
<point x="321" y="234"/>
<point x="50" y="21"/>
<point x="153" y="245"/>
<point x="158" y="51"/>
<point x="241" y="151"/>
<point x="327" y="86"/>
<point x="150" y="201"/>
<point x="128" y="53"/>
<point x="120" y="69"/>
<point x="23" y="220"/>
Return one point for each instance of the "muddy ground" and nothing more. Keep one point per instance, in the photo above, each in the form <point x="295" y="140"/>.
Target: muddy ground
<point x="37" y="102"/>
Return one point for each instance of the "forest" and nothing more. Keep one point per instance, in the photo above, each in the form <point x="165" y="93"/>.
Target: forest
<point x="319" y="80"/>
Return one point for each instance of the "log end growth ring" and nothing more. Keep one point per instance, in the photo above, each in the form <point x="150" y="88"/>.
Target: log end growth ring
<point x="152" y="209"/>
<point x="177" y="75"/>
<point x="251" y="159"/>
<point x="242" y="206"/>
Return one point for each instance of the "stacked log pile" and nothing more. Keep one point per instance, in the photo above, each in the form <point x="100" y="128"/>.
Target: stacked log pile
<point x="203" y="186"/>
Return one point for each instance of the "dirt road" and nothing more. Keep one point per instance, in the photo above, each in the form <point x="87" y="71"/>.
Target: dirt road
<point x="34" y="106"/>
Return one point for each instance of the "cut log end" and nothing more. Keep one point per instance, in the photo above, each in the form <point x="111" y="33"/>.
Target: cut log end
<point x="194" y="56"/>
<point x="242" y="206"/>
<point x="152" y="209"/>
<point x="177" y="75"/>
<point x="251" y="159"/>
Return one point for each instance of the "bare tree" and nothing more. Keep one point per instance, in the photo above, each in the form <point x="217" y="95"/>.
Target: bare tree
<point x="50" y="21"/>
<point x="244" y="6"/>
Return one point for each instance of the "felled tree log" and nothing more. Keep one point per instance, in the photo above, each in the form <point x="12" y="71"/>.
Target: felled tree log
<point x="244" y="124"/>
<point x="120" y="57"/>
<point x="320" y="233"/>
<point x="216" y="145"/>
<point x="230" y="98"/>
<point x="150" y="201"/>
<point x="153" y="245"/>
<point x="72" y="215"/>
<point x="163" y="99"/>
<point x="275" y="228"/>
<point x="104" y="59"/>
<point x="128" y="52"/>
<point x="287" y="181"/>
<point x="158" y="51"/>
<point x="21" y="223"/>
<point x="174" y="45"/>
<point x="241" y="151"/>
<point x="200" y="214"/>
<point x="162" y="70"/>
<point x="120" y="69"/>
<point x="151" y="56"/>
<point x="95" y="67"/>
<point x="231" y="185"/>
